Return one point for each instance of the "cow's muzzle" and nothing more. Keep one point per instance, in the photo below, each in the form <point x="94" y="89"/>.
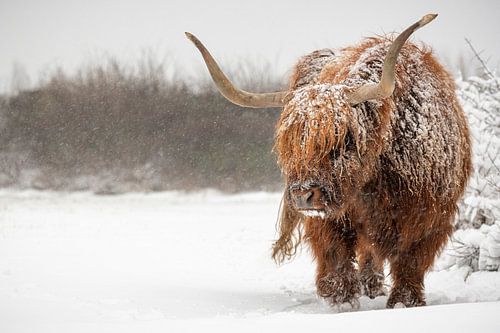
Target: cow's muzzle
<point x="307" y="199"/>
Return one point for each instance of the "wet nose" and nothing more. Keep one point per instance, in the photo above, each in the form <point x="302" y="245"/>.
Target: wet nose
<point x="310" y="198"/>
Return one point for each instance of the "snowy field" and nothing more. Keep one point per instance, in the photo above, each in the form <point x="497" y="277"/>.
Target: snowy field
<point x="175" y="262"/>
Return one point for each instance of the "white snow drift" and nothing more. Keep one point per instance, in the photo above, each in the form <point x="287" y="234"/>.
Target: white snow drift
<point x="175" y="262"/>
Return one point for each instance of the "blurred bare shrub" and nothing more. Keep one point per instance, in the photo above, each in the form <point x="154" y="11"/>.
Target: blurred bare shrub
<point x="112" y="128"/>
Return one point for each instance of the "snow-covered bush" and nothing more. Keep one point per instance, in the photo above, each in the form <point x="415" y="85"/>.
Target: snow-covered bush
<point x="477" y="242"/>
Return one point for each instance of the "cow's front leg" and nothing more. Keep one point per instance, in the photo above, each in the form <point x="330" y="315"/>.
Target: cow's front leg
<point x="333" y="244"/>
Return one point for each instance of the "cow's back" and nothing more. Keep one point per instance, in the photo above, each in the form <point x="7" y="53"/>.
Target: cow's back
<point x="427" y="146"/>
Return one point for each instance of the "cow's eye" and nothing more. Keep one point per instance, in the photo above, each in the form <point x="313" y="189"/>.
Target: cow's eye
<point x="349" y="142"/>
<point x="349" y="145"/>
<point x="334" y="154"/>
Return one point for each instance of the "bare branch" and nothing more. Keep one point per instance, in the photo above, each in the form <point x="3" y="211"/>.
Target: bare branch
<point x="495" y="166"/>
<point x="481" y="61"/>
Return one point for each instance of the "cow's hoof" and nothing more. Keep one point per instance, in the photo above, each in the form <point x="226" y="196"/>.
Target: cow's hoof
<point x="338" y="289"/>
<point x="352" y="305"/>
<point x="405" y="298"/>
<point x="373" y="286"/>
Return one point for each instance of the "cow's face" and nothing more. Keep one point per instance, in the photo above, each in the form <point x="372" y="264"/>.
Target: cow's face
<point x="317" y="142"/>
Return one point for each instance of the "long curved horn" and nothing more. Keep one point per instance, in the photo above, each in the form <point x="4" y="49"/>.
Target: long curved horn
<point x="228" y="90"/>
<point x="387" y="82"/>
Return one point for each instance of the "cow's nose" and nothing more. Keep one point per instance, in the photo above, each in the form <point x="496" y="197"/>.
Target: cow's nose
<point x="304" y="199"/>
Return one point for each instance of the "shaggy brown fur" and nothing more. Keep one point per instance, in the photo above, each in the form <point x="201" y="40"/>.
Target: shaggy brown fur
<point x="392" y="170"/>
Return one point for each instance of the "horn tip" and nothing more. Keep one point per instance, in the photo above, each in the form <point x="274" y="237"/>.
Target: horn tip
<point x="427" y="18"/>
<point x="190" y="36"/>
<point x="194" y="40"/>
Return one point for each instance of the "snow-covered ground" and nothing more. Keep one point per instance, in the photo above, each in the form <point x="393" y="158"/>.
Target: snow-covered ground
<point x="175" y="262"/>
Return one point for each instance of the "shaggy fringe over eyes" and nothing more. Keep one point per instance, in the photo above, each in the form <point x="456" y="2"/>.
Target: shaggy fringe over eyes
<point x="313" y="123"/>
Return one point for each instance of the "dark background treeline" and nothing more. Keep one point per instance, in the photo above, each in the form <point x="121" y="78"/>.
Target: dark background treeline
<point x="114" y="128"/>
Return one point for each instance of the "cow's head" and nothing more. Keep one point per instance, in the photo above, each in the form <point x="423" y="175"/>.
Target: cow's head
<point x="320" y="147"/>
<point x="318" y="137"/>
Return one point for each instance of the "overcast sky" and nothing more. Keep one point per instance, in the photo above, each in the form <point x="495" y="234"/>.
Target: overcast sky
<point x="41" y="35"/>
